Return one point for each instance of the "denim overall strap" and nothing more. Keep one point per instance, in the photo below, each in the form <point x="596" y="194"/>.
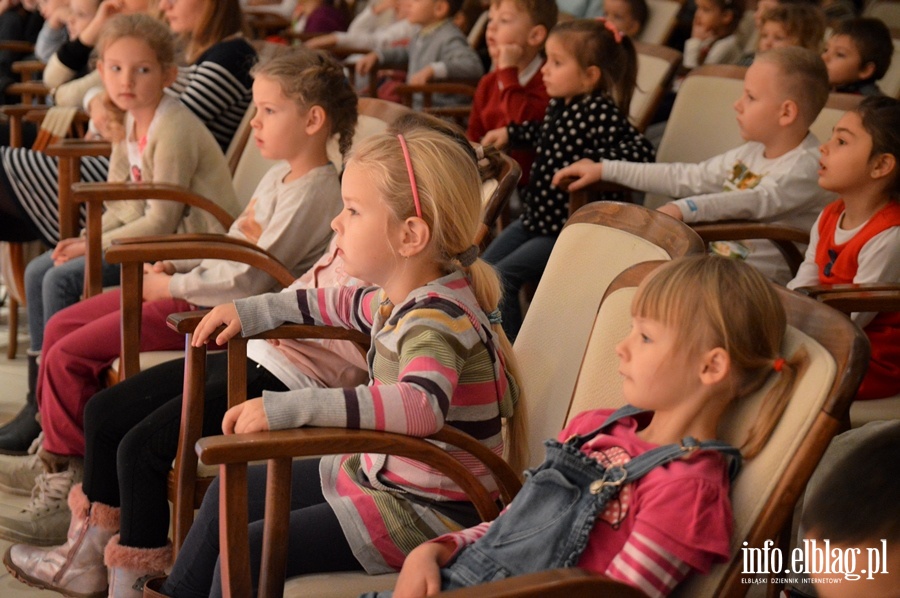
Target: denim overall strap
<point x="549" y="523"/>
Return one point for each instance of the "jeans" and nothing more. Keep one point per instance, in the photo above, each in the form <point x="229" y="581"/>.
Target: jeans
<point x="518" y="256"/>
<point x="49" y="288"/>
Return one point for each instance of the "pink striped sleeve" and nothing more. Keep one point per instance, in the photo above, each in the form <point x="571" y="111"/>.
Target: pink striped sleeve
<point x="647" y="566"/>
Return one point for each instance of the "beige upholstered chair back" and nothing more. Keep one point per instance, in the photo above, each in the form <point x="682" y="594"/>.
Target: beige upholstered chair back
<point x="660" y="21"/>
<point x="655" y="67"/>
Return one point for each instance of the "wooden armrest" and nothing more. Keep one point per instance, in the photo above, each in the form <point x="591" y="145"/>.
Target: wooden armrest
<point x="342" y="53"/>
<point x="555" y="583"/>
<point x="406" y="91"/>
<point x="850" y="298"/>
<point x="20" y="110"/>
<point x="583" y="196"/>
<point x="78" y="148"/>
<point x="28" y="67"/>
<point x="17" y="46"/>
<point x="785" y="238"/>
<point x="186" y="322"/>
<point x="820" y="289"/>
<point x="27" y="88"/>
<point x="307" y="442"/>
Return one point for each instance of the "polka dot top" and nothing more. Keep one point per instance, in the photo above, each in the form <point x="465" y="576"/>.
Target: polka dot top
<point x="588" y="127"/>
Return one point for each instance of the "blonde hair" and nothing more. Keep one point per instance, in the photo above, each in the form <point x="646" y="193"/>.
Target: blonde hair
<point x="140" y="26"/>
<point x="804" y="79"/>
<point x="719" y="302"/>
<point x="450" y="197"/>
<point x="311" y="78"/>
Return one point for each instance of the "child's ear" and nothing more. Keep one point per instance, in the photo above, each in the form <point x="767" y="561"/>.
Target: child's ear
<point x="315" y="119"/>
<point x="882" y="165"/>
<point x="789" y="113"/>
<point x="415" y="237"/>
<point x="715" y="367"/>
<point x="442" y="9"/>
<point x="866" y="71"/>
<point x="537" y="36"/>
<point x="593" y="73"/>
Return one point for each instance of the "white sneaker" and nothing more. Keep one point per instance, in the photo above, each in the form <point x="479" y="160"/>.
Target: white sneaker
<point x="45" y="520"/>
<point x="18" y="473"/>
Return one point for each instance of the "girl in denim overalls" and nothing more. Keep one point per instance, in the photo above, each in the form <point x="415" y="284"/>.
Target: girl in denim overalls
<point x="706" y="331"/>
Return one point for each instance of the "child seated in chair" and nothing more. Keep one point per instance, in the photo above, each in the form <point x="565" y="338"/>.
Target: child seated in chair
<point x="303" y="98"/>
<point x="440" y="50"/>
<point x="856" y="239"/>
<point x="771" y="178"/>
<point x="514" y="91"/>
<point x="857" y="55"/>
<point x="851" y="503"/>
<point x="786" y="25"/>
<point x="381" y="24"/>
<point x="706" y="332"/>
<point x="629" y="16"/>
<point x="713" y="39"/>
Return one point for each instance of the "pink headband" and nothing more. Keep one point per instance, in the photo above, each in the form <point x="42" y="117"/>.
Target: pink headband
<point x="612" y="28"/>
<point x="412" y="176"/>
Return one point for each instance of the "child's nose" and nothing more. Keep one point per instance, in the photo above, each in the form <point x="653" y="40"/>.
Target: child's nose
<point x="335" y="222"/>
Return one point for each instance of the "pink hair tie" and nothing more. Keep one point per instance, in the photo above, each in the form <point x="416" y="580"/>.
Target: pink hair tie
<point x="612" y="28"/>
<point x="778" y="364"/>
<point x="412" y="175"/>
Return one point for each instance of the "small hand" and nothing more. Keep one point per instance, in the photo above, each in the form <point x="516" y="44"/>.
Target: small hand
<point x="421" y="572"/>
<point x="509" y="55"/>
<point x="68" y="249"/>
<point x="249" y="416"/>
<point x="321" y="41"/>
<point x="156" y="283"/>
<point x="422" y="77"/>
<point x="366" y="63"/>
<point x="222" y="314"/>
<point x="584" y="171"/>
<point x="671" y="210"/>
<point x="701" y="32"/>
<point x="499" y="138"/>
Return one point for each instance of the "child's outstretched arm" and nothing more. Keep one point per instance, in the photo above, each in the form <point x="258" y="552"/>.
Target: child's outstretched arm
<point x="584" y="171"/>
<point x="222" y="315"/>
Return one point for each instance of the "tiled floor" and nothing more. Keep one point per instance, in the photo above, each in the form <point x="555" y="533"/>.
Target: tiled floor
<point x="13" y="385"/>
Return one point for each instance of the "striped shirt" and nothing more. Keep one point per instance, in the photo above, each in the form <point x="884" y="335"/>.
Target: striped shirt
<point x="217" y="87"/>
<point x="432" y="361"/>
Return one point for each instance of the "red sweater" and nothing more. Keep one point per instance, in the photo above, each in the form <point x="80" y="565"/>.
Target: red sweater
<point x="500" y="100"/>
<point x="838" y="265"/>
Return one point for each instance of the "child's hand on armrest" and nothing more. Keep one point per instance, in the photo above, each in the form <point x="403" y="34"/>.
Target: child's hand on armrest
<point x="499" y="138"/>
<point x="223" y="314"/>
<point x="421" y="573"/>
<point x="672" y="210"/>
<point x="366" y="63"/>
<point x="249" y="416"/>
<point x="422" y="77"/>
<point x="585" y="172"/>
<point x="156" y="282"/>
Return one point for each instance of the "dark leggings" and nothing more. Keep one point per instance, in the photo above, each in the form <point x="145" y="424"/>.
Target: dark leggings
<point x="131" y="435"/>
<point x="316" y="541"/>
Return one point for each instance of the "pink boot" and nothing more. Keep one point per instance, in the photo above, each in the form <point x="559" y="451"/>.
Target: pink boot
<point x="131" y="567"/>
<point x="75" y="568"/>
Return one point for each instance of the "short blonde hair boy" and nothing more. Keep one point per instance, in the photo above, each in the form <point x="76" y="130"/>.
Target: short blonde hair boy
<point x="541" y="12"/>
<point x="804" y="79"/>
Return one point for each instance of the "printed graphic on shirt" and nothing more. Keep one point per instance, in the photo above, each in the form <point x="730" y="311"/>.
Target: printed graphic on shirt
<point x="247" y="223"/>
<point x="617" y="508"/>
<point x="136" y="174"/>
<point x="742" y="178"/>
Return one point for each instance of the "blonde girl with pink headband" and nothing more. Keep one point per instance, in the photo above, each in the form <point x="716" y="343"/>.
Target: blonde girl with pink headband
<point x="438" y="356"/>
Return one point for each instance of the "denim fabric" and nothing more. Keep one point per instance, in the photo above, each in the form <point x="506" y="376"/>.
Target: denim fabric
<point x="49" y="288"/>
<point x="518" y="256"/>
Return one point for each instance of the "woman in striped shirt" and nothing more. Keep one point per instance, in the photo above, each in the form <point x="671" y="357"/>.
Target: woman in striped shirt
<point x="411" y="209"/>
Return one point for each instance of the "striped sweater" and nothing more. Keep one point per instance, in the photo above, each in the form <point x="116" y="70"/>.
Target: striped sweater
<point x="432" y="361"/>
<point x="217" y="87"/>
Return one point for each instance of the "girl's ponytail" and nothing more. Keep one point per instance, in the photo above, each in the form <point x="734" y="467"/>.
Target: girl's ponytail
<point x="787" y="372"/>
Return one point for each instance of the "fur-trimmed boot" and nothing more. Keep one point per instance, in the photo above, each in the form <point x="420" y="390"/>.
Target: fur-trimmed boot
<point x="75" y="568"/>
<point x="131" y="567"/>
<point x="18" y="434"/>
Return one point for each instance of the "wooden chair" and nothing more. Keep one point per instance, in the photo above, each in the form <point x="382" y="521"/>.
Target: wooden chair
<point x="870" y="297"/>
<point x="656" y="67"/>
<point x="764" y="494"/>
<point x="661" y="21"/>
<point x="55" y="124"/>
<point x="550" y="349"/>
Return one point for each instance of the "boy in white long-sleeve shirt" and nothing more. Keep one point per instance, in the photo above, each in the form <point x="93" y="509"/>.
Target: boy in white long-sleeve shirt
<point x="771" y="178"/>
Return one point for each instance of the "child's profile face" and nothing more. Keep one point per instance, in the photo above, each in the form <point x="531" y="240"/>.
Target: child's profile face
<point x="846" y="157"/>
<point x="183" y="16"/>
<point x="563" y="76"/>
<point x="423" y="12"/>
<point x="760" y="105"/>
<point x="711" y="19"/>
<point x="844" y="62"/>
<point x="618" y="12"/>
<point x="366" y="231"/>
<point x="508" y="25"/>
<point x="279" y="124"/>
<point x="775" y="35"/>
<point x="132" y="75"/>
<point x="80" y="14"/>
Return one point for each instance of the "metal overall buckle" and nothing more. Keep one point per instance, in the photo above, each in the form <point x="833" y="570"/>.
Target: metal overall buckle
<point x="597" y="486"/>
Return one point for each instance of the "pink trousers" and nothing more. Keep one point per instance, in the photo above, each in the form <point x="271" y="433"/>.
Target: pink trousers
<point x="80" y="343"/>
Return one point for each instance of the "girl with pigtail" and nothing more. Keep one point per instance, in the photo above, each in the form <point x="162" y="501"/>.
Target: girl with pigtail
<point x="412" y="206"/>
<point x="590" y="76"/>
<point x="616" y="495"/>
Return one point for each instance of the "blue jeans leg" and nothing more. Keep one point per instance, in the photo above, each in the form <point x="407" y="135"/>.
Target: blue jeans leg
<point x="518" y="256"/>
<point x="50" y="289"/>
